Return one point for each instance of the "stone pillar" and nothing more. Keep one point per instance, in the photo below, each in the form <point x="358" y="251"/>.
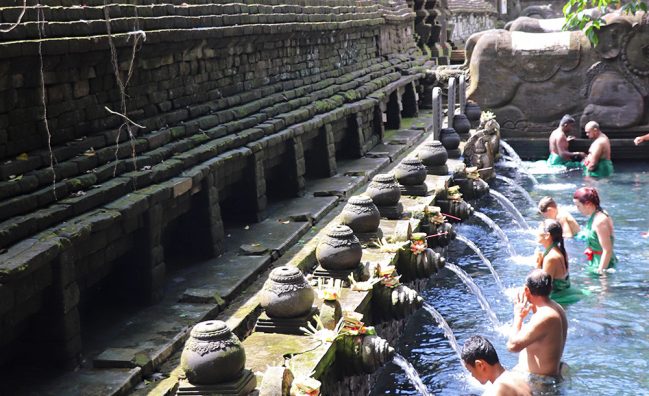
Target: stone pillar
<point x="394" y="111"/>
<point x="461" y="93"/>
<point x="59" y="323"/>
<point x="296" y="150"/>
<point x="150" y="263"/>
<point x="359" y="135"/>
<point x="258" y="179"/>
<point x="331" y="166"/>
<point x="379" y="127"/>
<point x="452" y="89"/>
<point x="438" y="114"/>
<point x="216" y="228"/>
<point x="409" y="101"/>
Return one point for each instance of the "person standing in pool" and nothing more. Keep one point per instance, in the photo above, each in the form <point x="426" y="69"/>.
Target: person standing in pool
<point x="554" y="261"/>
<point x="481" y="359"/>
<point x="598" y="232"/>
<point x="542" y="339"/>
<point x="549" y="209"/>
<point x="598" y="161"/>
<point x="558" y="145"/>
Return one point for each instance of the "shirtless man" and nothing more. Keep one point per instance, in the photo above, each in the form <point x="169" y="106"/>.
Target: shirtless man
<point x="549" y="210"/>
<point x="541" y="340"/>
<point x="598" y="162"/>
<point x="480" y="358"/>
<point x="559" y="154"/>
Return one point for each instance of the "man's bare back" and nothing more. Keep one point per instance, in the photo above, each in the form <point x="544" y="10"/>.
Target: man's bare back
<point x="509" y="384"/>
<point x="543" y="356"/>
<point x="541" y="340"/>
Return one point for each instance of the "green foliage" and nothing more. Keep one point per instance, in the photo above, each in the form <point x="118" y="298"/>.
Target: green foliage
<point x="578" y="16"/>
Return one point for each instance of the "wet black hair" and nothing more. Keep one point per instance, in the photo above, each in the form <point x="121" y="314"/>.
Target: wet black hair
<point x="555" y="230"/>
<point x="539" y="282"/>
<point x="478" y="347"/>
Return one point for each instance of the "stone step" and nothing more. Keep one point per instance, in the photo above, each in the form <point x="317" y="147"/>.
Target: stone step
<point x="110" y="189"/>
<point x="125" y="25"/>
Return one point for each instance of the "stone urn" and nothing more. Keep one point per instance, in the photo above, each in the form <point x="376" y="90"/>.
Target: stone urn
<point x="449" y="138"/>
<point x="339" y="249"/>
<point x="410" y="172"/>
<point x="212" y="354"/>
<point x="461" y="124"/>
<point x="472" y="112"/>
<point x="286" y="293"/>
<point x="361" y="215"/>
<point x="433" y="154"/>
<point x="384" y="190"/>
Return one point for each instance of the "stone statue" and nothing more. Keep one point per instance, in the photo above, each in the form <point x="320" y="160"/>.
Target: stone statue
<point x="546" y="25"/>
<point x="479" y="154"/>
<point x="530" y="80"/>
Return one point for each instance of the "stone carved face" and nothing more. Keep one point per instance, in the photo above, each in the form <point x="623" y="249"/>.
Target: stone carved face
<point x="611" y="36"/>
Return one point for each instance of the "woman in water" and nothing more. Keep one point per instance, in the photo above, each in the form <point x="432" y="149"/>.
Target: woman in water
<point x="554" y="261"/>
<point x="598" y="232"/>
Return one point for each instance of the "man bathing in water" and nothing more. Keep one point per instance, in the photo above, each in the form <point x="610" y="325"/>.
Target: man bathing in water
<point x="598" y="161"/>
<point x="549" y="210"/>
<point x="541" y="340"/>
<point x="480" y="358"/>
<point x="559" y="154"/>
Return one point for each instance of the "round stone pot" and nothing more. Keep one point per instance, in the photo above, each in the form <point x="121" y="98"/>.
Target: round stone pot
<point x="361" y="215"/>
<point x="449" y="138"/>
<point x="212" y="354"/>
<point x="472" y="111"/>
<point x="339" y="249"/>
<point x="286" y="293"/>
<point x="461" y="124"/>
<point x="410" y="172"/>
<point x="433" y="154"/>
<point x="384" y="190"/>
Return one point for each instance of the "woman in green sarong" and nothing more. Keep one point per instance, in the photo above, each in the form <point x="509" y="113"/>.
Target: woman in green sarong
<point x="554" y="261"/>
<point x="598" y="232"/>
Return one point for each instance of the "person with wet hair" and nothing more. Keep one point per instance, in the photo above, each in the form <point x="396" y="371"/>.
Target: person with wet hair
<point x="598" y="161"/>
<point x="481" y="360"/>
<point x="558" y="145"/>
<point x="540" y="341"/>
<point x="554" y="261"/>
<point x="550" y="210"/>
<point x="598" y="232"/>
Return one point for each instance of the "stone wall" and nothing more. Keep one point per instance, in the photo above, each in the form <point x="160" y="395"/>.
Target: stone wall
<point x="467" y="23"/>
<point x="233" y="99"/>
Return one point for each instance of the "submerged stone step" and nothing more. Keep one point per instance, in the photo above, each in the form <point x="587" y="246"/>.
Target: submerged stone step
<point x="339" y="186"/>
<point x="273" y="234"/>
<point x="309" y="209"/>
<point x="391" y="151"/>
<point x="223" y="277"/>
<point x="91" y="382"/>
<point x="404" y="136"/>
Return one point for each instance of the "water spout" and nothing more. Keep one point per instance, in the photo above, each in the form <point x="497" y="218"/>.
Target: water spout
<point x="445" y="328"/>
<point x="512" y="153"/>
<point x="518" y="188"/>
<point x="485" y="260"/>
<point x="503" y="237"/>
<point x="509" y="206"/>
<point x="476" y="290"/>
<point x="412" y="374"/>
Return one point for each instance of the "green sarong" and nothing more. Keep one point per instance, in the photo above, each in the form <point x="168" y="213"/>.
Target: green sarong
<point x="555" y="159"/>
<point x="604" y="168"/>
<point x="593" y="250"/>
<point x="564" y="294"/>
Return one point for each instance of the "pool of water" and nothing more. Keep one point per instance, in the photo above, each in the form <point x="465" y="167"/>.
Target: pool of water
<point x="608" y="336"/>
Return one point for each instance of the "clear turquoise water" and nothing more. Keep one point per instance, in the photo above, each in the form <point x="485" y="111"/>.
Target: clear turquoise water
<point x="608" y="337"/>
